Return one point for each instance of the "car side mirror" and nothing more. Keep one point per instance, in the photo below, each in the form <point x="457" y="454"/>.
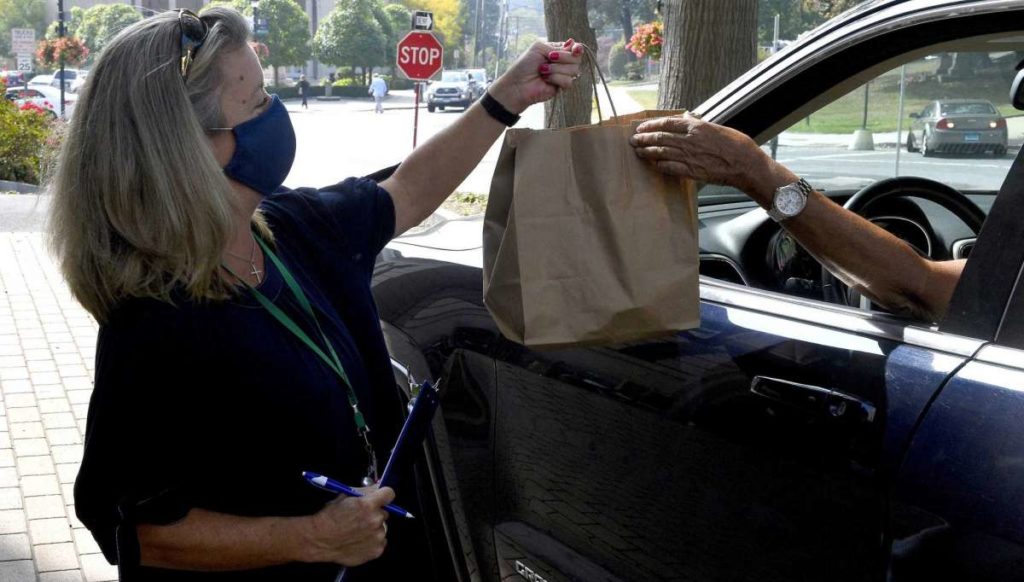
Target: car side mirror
<point x="915" y="116"/>
<point x="1017" y="91"/>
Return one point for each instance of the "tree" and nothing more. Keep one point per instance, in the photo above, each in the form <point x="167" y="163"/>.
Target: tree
<point x="102" y="22"/>
<point x="621" y="13"/>
<point x="351" y="36"/>
<point x="830" y="8"/>
<point x="72" y="20"/>
<point x="708" y="43"/>
<point x="395" y="24"/>
<point x="449" y="18"/>
<point x="20" y="14"/>
<point x="287" y="37"/>
<point x="568" y="19"/>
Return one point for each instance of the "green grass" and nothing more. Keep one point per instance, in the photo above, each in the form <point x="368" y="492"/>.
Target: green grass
<point x="647" y="99"/>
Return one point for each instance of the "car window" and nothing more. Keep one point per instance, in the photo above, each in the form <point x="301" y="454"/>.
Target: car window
<point x="969" y="108"/>
<point x="944" y="116"/>
<point x="961" y="138"/>
<point x="453" y="77"/>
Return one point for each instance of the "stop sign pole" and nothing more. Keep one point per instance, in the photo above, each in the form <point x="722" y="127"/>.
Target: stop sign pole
<point x="420" y="57"/>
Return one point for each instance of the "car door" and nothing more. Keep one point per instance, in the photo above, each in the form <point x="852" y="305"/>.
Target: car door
<point x="757" y="447"/>
<point x="957" y="502"/>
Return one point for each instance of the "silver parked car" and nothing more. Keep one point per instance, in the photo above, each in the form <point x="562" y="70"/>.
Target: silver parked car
<point x="958" y="126"/>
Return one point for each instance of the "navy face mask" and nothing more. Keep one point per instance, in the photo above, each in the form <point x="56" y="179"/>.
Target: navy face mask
<point x="264" y="149"/>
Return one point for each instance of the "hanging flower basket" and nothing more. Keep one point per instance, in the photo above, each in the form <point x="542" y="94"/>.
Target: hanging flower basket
<point x="647" y="41"/>
<point x="49" y="52"/>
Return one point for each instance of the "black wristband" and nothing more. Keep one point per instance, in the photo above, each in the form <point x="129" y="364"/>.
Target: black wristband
<point x="498" y="111"/>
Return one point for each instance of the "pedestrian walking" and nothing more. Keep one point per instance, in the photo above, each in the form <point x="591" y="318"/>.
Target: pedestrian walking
<point x="378" y="88"/>
<point x="239" y="342"/>
<point x="304" y="91"/>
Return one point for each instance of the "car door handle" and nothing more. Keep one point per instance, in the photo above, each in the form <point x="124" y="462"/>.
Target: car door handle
<point x="816" y="400"/>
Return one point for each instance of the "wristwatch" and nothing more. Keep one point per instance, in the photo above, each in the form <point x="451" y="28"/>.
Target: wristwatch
<point x="790" y="200"/>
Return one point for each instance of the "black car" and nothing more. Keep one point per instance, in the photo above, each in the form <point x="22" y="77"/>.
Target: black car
<point x="801" y="433"/>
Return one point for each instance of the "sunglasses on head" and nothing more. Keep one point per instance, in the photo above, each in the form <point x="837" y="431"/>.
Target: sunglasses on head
<point x="193" y="34"/>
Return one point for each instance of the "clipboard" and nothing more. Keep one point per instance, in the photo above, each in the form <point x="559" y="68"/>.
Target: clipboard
<point x="421" y="414"/>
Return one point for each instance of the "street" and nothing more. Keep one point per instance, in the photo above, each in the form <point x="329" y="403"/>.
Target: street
<point x="838" y="168"/>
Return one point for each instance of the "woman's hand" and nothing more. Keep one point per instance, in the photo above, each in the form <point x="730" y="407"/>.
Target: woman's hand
<point x="538" y="74"/>
<point x="686" y="146"/>
<point x="351" y="530"/>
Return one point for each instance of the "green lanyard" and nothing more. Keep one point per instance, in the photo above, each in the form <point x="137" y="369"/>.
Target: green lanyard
<point x="333" y="362"/>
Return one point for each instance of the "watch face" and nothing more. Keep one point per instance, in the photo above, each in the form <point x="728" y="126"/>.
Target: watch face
<point x="789" y="201"/>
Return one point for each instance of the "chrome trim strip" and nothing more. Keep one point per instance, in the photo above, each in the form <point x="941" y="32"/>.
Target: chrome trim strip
<point x="878" y="325"/>
<point x="1002" y="356"/>
<point x="735" y="266"/>
<point x="958" y="247"/>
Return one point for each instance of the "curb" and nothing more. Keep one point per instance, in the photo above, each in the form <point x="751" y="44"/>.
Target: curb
<point x="19" y="187"/>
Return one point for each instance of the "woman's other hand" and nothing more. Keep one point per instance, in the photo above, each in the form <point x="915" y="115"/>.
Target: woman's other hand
<point x="686" y="146"/>
<point x="351" y="530"/>
<point x="538" y="74"/>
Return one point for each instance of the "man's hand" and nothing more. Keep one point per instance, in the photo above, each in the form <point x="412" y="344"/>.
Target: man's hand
<point x="351" y="530"/>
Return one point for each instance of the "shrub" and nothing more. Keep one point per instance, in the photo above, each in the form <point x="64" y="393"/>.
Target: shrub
<point x="635" y="71"/>
<point x="617" y="60"/>
<point x="23" y="135"/>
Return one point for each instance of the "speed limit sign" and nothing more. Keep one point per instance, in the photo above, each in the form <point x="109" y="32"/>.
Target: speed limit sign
<point x="24" y="63"/>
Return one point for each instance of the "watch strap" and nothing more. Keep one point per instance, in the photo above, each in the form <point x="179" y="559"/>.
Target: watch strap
<point x="497" y="110"/>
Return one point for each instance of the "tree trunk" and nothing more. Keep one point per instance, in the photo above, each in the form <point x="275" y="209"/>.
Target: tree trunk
<point x="568" y="19"/>
<point x="626" y="19"/>
<point x="708" y="43"/>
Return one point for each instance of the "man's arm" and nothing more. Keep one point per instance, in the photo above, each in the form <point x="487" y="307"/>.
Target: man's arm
<point x="861" y="254"/>
<point x="864" y="256"/>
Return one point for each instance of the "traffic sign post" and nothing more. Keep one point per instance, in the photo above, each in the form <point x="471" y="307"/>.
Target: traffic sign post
<point x="420" y="57"/>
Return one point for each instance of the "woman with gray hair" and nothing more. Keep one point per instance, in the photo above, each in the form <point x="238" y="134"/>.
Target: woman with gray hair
<point x="239" y="342"/>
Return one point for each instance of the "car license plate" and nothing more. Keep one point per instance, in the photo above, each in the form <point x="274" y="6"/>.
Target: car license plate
<point x="972" y="137"/>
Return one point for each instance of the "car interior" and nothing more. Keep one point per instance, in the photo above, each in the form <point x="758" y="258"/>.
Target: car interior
<point x="937" y="203"/>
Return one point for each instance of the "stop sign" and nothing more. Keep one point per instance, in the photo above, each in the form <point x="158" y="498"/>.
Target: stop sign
<point x="419" y="55"/>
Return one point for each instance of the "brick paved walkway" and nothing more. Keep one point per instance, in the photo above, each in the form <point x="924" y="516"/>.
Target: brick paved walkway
<point x="47" y="347"/>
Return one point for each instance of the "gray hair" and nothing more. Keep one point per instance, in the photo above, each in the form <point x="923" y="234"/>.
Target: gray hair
<point x="140" y="205"/>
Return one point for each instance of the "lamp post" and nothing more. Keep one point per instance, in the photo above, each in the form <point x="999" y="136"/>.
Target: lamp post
<point x="60" y="17"/>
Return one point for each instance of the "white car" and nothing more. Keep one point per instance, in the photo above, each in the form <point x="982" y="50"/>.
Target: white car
<point x="42" y="96"/>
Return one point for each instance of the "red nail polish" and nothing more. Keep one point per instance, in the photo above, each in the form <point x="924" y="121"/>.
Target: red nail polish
<point x="553" y="56"/>
<point x="577" y="50"/>
<point x="545" y="69"/>
<point x="568" y="43"/>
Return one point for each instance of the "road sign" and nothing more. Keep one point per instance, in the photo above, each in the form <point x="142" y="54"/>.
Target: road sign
<point x="24" y="63"/>
<point x="422" y="20"/>
<point x="23" y="41"/>
<point x="420" y="56"/>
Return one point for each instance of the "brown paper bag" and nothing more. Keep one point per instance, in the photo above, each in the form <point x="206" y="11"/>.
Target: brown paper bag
<point x="585" y="243"/>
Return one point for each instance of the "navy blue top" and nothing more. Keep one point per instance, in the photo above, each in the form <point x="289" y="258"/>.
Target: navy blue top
<point x="217" y="406"/>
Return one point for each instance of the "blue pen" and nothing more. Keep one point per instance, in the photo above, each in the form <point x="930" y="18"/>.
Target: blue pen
<point x="333" y="486"/>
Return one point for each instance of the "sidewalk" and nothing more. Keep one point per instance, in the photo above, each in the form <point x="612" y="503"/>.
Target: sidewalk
<point x="47" y="348"/>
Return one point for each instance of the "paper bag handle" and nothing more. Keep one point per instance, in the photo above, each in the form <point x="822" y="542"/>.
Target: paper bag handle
<point x="591" y="59"/>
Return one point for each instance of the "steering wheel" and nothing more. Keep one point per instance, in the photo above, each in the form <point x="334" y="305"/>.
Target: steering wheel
<point x="902" y="186"/>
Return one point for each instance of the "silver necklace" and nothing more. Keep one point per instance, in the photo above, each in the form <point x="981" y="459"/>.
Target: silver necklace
<point x="252" y="261"/>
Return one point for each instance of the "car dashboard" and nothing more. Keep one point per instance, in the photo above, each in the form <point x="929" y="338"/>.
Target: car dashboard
<point x="739" y="243"/>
